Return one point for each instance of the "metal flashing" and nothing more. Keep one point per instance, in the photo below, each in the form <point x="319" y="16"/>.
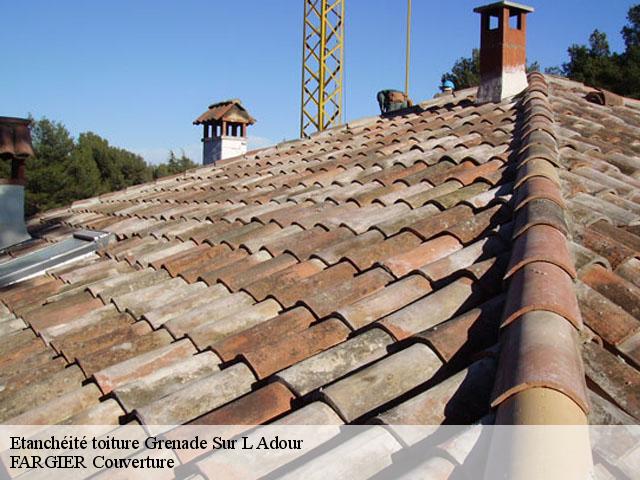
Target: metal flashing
<point x="80" y="244"/>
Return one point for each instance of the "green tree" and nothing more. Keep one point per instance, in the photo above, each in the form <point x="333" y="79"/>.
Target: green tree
<point x="174" y="165"/>
<point x="82" y="175"/>
<point x="46" y="181"/>
<point x="465" y="72"/>
<point x="118" y="168"/>
<point x="595" y="65"/>
<point x="63" y="170"/>
<point x="631" y="32"/>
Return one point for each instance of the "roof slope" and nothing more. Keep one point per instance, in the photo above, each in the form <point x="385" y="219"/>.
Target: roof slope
<point x="364" y="273"/>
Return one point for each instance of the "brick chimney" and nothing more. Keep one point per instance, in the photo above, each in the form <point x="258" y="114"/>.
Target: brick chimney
<point x="503" y="50"/>
<point x="15" y="147"/>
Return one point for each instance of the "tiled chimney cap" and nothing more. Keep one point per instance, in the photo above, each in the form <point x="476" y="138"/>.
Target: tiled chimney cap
<point x="15" y="138"/>
<point x="513" y="5"/>
<point x="228" y="110"/>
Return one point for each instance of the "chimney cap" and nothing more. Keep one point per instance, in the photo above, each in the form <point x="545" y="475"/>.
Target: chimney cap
<point x="511" y="5"/>
<point x="15" y="138"/>
<point x="228" y="110"/>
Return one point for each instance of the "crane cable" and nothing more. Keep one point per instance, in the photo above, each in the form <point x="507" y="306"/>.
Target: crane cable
<point x="408" y="59"/>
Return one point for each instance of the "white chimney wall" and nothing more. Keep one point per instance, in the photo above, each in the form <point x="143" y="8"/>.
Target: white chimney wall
<point x="219" y="148"/>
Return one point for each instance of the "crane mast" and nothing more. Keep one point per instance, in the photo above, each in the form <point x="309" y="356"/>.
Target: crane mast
<point x="322" y="65"/>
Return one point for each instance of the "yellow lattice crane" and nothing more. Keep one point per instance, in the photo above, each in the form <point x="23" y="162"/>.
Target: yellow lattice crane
<point x="322" y="59"/>
<point x="322" y="64"/>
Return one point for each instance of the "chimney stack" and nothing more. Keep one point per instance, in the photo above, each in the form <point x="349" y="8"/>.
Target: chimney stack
<point x="15" y="147"/>
<point x="224" y="130"/>
<point x="503" y="50"/>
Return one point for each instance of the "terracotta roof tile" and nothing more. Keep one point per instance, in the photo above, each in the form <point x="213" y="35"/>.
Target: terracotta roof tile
<point x="335" y="252"/>
<point x="630" y="271"/>
<point x="538" y="188"/>
<point x="93" y="272"/>
<point x="461" y="399"/>
<point x="211" y="277"/>
<point x="295" y="346"/>
<point x="36" y="394"/>
<point x="127" y="283"/>
<point x="396" y="224"/>
<point x="618" y="380"/>
<point x="456" y="341"/>
<point x="365" y="256"/>
<point x="33" y="369"/>
<point x="540" y="352"/>
<point x="288" y="294"/>
<point x="303" y="244"/>
<point x="98" y="338"/>
<point x="416" y="200"/>
<point x="59" y="408"/>
<point x="30" y="291"/>
<point x="615" y="214"/>
<point x="537" y="167"/>
<point x="59" y="312"/>
<point x="284" y="279"/>
<point x="442" y="304"/>
<point x="315" y="413"/>
<point x="461" y="195"/>
<point x="130" y="370"/>
<point x="432" y="226"/>
<point x="614" y="251"/>
<point x="428" y="252"/>
<point x="336" y="362"/>
<point x="136" y="345"/>
<point x="615" y="288"/>
<point x="629" y="240"/>
<point x="540" y="212"/>
<point x="139" y="301"/>
<point x="324" y="301"/>
<point x="211" y="332"/>
<point x="289" y="322"/>
<point x="489" y="273"/>
<point x="212" y="310"/>
<point x="256" y="242"/>
<point x="453" y="263"/>
<point x="91" y="325"/>
<point x="542" y="243"/>
<point x="238" y="279"/>
<point x="165" y="380"/>
<point x="468" y="230"/>
<point x="197" y="294"/>
<point x="377" y="384"/>
<point x="255" y="408"/>
<point x="385" y="301"/>
<point x="107" y="412"/>
<point x="184" y="260"/>
<point x="197" y="397"/>
<point x="607" y="319"/>
<point x="542" y="286"/>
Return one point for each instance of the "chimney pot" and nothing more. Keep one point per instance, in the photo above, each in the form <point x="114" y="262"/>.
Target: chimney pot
<point x="503" y="50"/>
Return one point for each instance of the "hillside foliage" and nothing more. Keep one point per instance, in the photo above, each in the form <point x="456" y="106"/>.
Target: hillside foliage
<point x="65" y="169"/>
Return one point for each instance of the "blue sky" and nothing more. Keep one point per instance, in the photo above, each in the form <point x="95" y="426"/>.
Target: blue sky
<point x="138" y="72"/>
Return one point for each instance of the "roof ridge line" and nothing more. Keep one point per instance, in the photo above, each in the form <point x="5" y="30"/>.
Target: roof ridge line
<point x="539" y="345"/>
